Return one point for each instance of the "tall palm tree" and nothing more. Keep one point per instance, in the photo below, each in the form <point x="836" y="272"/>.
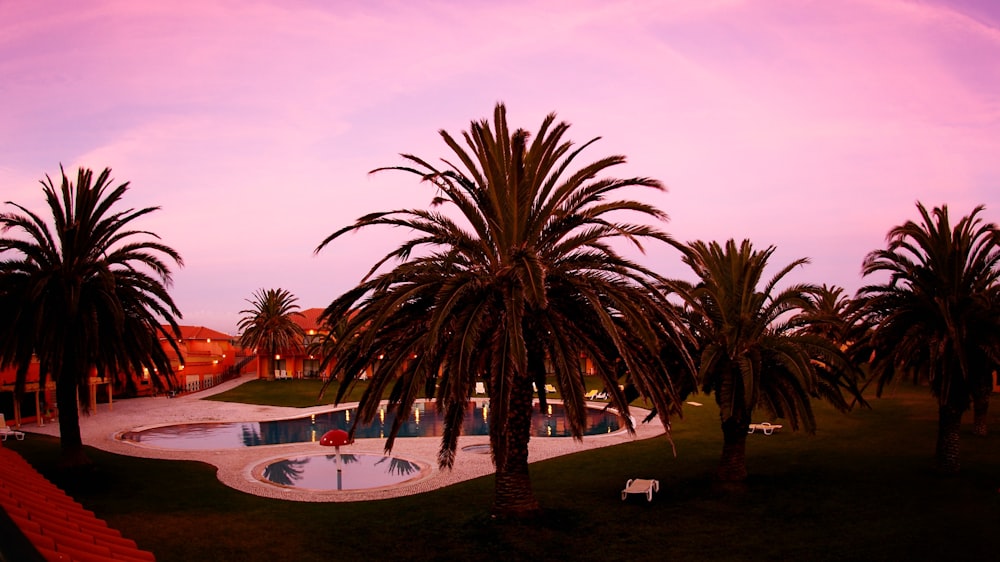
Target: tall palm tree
<point x="269" y="326"/>
<point x="522" y="276"/>
<point x="754" y="351"/>
<point x="85" y="294"/>
<point x="935" y="318"/>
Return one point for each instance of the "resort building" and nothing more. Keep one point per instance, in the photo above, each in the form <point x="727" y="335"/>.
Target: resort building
<point x="207" y="358"/>
<point x="301" y="360"/>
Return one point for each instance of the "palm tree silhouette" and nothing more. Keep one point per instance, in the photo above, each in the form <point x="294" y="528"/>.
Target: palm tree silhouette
<point x="86" y="294"/>
<point x="753" y="352"/>
<point x="269" y="326"/>
<point x="522" y="278"/>
<point x="937" y="318"/>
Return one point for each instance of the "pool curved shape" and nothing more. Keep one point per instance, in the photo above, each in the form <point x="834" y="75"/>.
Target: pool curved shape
<point x="424" y="421"/>
<point x="346" y="471"/>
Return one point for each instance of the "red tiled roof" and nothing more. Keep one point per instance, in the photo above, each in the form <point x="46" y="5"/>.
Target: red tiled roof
<point x="202" y="333"/>
<point x="310" y="319"/>
<point x="55" y="524"/>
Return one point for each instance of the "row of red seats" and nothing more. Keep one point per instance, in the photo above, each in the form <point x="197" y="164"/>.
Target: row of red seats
<point x="59" y="527"/>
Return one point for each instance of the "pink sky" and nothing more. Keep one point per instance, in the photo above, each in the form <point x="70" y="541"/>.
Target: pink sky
<point x="810" y="126"/>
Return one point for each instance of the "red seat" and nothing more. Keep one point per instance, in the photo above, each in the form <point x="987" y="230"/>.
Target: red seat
<point x="59" y="527"/>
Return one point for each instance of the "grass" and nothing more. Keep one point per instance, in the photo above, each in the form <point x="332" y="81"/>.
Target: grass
<point x="861" y="488"/>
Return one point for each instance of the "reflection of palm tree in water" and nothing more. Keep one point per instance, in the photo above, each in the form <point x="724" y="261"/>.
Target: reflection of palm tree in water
<point x="250" y="437"/>
<point x="347" y="458"/>
<point x="399" y="467"/>
<point x="285" y="472"/>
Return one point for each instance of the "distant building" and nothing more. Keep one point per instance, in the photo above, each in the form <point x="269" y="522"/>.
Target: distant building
<point x="302" y="360"/>
<point x="207" y="358"/>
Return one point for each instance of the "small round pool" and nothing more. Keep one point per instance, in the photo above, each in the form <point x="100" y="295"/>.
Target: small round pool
<point x="346" y="471"/>
<point x="424" y="421"/>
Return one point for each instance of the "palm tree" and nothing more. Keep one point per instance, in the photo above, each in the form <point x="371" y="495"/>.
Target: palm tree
<point x="85" y="294"/>
<point x="269" y="327"/>
<point x="936" y="317"/>
<point x="754" y="352"/>
<point x="831" y="313"/>
<point x="529" y="282"/>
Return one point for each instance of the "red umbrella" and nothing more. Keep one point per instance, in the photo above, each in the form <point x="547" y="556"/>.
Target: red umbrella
<point x="335" y="438"/>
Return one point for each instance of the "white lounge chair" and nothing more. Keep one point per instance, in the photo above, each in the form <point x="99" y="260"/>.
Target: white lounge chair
<point x="480" y="388"/>
<point x="591" y="394"/>
<point x="641" y="486"/>
<point x="6" y="432"/>
<point x="550" y="389"/>
<point x="765" y="427"/>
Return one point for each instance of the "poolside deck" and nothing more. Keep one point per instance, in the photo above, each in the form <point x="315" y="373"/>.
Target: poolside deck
<point x="240" y="468"/>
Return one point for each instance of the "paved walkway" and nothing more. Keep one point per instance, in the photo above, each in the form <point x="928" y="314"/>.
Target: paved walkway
<point x="241" y="468"/>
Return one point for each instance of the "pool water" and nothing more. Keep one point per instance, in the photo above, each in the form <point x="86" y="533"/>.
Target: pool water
<point x="348" y="472"/>
<point x="424" y="421"/>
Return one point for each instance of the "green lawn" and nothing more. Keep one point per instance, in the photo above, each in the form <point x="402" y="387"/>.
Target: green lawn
<point x="860" y="489"/>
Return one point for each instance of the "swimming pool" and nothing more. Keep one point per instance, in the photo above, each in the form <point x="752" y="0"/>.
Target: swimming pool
<point x="424" y="421"/>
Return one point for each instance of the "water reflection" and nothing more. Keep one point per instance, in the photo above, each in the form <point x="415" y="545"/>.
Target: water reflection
<point x="400" y="467"/>
<point x="284" y="472"/>
<point x="349" y="472"/>
<point x="425" y="420"/>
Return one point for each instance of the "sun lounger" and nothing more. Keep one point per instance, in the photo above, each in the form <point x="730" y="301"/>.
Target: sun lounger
<point x="590" y="395"/>
<point x="550" y="389"/>
<point x="765" y="427"/>
<point x="480" y="388"/>
<point x="6" y="432"/>
<point x="641" y="486"/>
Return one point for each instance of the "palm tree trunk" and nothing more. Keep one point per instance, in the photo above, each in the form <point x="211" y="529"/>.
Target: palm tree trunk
<point x="981" y="404"/>
<point x="70" y="440"/>
<point x="733" y="464"/>
<point x="980" y="410"/>
<point x="946" y="456"/>
<point x="514" y="496"/>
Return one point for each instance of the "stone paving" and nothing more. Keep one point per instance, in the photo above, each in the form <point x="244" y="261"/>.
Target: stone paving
<point x="241" y="468"/>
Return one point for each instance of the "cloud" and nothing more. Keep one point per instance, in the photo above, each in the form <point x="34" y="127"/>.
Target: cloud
<point x="254" y="125"/>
